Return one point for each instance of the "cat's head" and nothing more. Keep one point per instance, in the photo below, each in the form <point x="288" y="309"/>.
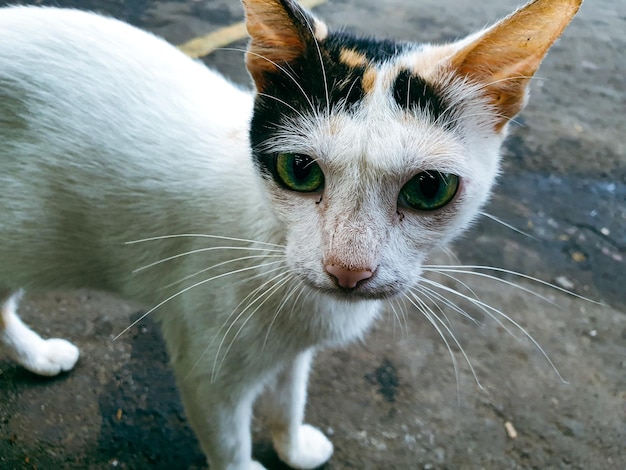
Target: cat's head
<point x="374" y="152"/>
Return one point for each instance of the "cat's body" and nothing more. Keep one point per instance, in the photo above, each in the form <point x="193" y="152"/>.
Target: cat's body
<point x="110" y="136"/>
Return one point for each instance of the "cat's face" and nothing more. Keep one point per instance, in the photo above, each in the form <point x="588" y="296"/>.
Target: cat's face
<point x="372" y="185"/>
<point x="373" y="153"/>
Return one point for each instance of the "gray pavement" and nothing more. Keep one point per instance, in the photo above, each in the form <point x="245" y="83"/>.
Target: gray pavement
<point x="395" y="401"/>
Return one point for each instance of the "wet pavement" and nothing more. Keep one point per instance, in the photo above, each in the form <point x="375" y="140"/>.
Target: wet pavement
<point x="395" y="401"/>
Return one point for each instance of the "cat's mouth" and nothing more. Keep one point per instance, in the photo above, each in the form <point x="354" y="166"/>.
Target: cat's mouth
<point x="361" y="294"/>
<point x="366" y="289"/>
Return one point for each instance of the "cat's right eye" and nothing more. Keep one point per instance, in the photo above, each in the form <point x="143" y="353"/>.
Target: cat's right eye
<point x="299" y="172"/>
<point x="429" y="190"/>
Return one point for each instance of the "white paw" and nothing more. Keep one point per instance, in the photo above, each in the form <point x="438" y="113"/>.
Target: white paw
<point x="308" y="449"/>
<point x="256" y="466"/>
<point x="50" y="357"/>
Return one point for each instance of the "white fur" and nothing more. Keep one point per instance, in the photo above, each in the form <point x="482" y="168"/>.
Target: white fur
<point x="109" y="135"/>
<point x="28" y="349"/>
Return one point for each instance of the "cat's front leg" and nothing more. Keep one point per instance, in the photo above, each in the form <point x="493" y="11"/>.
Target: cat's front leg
<point x="299" y="445"/>
<point x="220" y="415"/>
<point x="46" y="357"/>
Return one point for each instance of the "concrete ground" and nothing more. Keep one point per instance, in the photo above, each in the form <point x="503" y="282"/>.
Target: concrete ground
<point x="395" y="401"/>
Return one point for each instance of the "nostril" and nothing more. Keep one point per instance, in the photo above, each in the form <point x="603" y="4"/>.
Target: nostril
<point x="347" y="278"/>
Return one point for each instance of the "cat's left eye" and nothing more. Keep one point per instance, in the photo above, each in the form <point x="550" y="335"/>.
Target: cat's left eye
<point x="299" y="172"/>
<point x="429" y="190"/>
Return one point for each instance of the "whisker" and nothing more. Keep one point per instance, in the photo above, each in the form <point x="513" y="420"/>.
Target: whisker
<point x="436" y="297"/>
<point x="451" y="255"/>
<point x="283" y="102"/>
<point x="267" y="294"/>
<point x="344" y="105"/>
<point x="295" y="302"/>
<point x="493" y="278"/>
<point x="204" y="250"/>
<point x="454" y="306"/>
<point x="468" y="270"/>
<point x="321" y="60"/>
<point x="286" y="298"/>
<point x="279" y="67"/>
<point x="408" y="94"/>
<point x="243" y="301"/>
<point x="507" y="225"/>
<point x="421" y="307"/>
<point x="261" y="274"/>
<point x="400" y="318"/>
<point x="456" y="342"/>
<point x="423" y="291"/>
<point x="201" y="235"/>
<point x="251" y="295"/>
<point x="223" y="263"/>
<point x="186" y="289"/>
<point x="519" y="327"/>
<point x="490" y="114"/>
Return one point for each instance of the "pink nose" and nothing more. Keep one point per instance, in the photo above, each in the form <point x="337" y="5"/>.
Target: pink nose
<point x="347" y="278"/>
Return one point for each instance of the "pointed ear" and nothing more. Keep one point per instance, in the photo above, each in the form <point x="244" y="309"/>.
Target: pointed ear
<point x="280" y="32"/>
<point x="505" y="57"/>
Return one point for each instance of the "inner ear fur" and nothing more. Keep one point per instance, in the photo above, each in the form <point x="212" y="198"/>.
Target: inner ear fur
<point x="280" y="31"/>
<point x="505" y="57"/>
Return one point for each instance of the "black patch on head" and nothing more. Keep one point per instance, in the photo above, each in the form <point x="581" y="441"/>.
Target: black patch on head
<point x="301" y="86"/>
<point x="376" y="50"/>
<point x="411" y="92"/>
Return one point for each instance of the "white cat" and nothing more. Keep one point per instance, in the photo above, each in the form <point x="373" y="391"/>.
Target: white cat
<point x="263" y="225"/>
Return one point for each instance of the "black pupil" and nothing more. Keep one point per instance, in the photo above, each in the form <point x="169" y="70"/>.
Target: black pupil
<point x="429" y="185"/>
<point x="301" y="167"/>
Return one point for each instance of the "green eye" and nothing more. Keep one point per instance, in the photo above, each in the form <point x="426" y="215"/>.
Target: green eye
<point x="299" y="172"/>
<point x="429" y="190"/>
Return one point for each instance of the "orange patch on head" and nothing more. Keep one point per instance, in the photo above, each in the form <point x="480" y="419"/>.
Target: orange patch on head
<point x="369" y="80"/>
<point x="352" y="58"/>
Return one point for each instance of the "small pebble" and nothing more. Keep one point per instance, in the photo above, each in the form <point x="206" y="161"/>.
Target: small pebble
<point x="510" y="430"/>
<point x="587" y="64"/>
<point x="564" y="282"/>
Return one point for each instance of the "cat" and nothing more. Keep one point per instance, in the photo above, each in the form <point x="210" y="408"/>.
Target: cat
<point x="259" y="226"/>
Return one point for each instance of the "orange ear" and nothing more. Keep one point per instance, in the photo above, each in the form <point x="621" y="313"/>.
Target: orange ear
<point x="506" y="56"/>
<point x="280" y="31"/>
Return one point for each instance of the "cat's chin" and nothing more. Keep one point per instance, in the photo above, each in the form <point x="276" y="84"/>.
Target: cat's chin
<point x="359" y="293"/>
<point x="354" y="295"/>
